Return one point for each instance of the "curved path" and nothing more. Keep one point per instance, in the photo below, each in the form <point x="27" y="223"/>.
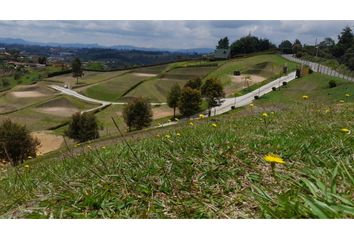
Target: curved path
<point x="88" y="99"/>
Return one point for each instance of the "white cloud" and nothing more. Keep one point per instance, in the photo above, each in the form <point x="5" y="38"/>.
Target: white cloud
<point x="169" y="34"/>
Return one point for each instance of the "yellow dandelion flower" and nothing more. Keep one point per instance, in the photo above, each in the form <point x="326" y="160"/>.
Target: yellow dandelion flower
<point x="305" y="97"/>
<point x="103" y="147"/>
<point x="190" y="123"/>
<point x="264" y="115"/>
<point x="214" y="125"/>
<point x="345" y="130"/>
<point x="273" y="158"/>
<point x="29" y="157"/>
<point x="251" y="105"/>
<point x="27" y="166"/>
<point x="176" y="119"/>
<point x="327" y="111"/>
<point x="201" y="116"/>
<point x="272" y="112"/>
<point x="341" y="101"/>
<point x="178" y="134"/>
<point x="347" y="95"/>
<point x="167" y="136"/>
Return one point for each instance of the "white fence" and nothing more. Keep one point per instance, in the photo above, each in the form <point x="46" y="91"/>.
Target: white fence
<point x="316" y="67"/>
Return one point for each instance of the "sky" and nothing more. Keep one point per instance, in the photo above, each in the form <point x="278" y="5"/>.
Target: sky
<point x="168" y="34"/>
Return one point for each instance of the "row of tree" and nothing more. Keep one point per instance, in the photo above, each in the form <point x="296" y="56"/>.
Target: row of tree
<point x="342" y="51"/>
<point x="245" y="45"/>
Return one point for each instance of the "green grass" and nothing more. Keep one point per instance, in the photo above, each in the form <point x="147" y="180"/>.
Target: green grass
<point x="207" y="172"/>
<point x="113" y="89"/>
<point x="155" y="90"/>
<point x="90" y="77"/>
<point x="264" y="65"/>
<point x="37" y="120"/>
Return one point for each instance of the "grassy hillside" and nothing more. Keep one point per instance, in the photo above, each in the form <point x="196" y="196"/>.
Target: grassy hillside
<point x="211" y="169"/>
<point x="264" y="65"/>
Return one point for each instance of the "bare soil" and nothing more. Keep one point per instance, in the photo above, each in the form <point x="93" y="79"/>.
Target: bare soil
<point x="145" y="74"/>
<point x="49" y="141"/>
<point x="27" y="94"/>
<point x="243" y="81"/>
<point x="59" y="111"/>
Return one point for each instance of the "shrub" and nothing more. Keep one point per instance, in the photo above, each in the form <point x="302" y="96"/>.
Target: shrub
<point x="256" y="97"/>
<point x="5" y="82"/>
<point x="194" y="83"/>
<point x="237" y="73"/>
<point x="83" y="127"/>
<point x="274" y="88"/>
<point x="285" y="83"/>
<point x="332" y="83"/>
<point x="16" y="143"/>
<point x="190" y="101"/>
<point x="233" y="107"/>
<point x="298" y="73"/>
<point x="310" y="71"/>
<point x="137" y="114"/>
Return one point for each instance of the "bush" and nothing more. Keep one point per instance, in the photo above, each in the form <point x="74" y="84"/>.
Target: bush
<point x="137" y="114"/>
<point x="194" y="83"/>
<point x="332" y="83"/>
<point x="16" y="142"/>
<point x="285" y="83"/>
<point x="83" y="127"/>
<point x="274" y="88"/>
<point x="310" y="71"/>
<point x="298" y="73"/>
<point x="5" y="82"/>
<point x="237" y="73"/>
<point x="233" y="107"/>
<point x="190" y="101"/>
<point x="256" y="97"/>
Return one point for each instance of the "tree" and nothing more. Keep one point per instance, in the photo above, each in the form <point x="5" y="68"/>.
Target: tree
<point x="286" y="47"/>
<point x="194" y="83"/>
<point x="223" y="43"/>
<point x="297" y="46"/>
<point x="250" y="44"/>
<point x="16" y="143"/>
<point x="137" y="114"/>
<point x="83" y="127"/>
<point x="212" y="90"/>
<point x="189" y="102"/>
<point x="77" y="70"/>
<point x="173" y="98"/>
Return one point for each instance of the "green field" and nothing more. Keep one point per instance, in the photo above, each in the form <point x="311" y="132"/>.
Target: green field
<point x="203" y="171"/>
<point x="48" y="114"/>
<point x="113" y="90"/>
<point x="90" y="77"/>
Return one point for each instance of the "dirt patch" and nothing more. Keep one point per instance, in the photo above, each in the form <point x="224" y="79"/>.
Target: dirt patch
<point x="243" y="81"/>
<point x="49" y="141"/>
<point x="162" y="112"/>
<point x="247" y="79"/>
<point x="59" y="111"/>
<point x="27" y="94"/>
<point x="145" y="74"/>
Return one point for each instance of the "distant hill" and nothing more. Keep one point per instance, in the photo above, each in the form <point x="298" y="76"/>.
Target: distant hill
<point x="118" y="47"/>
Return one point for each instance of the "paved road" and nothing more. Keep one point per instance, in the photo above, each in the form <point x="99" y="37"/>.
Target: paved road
<point x="316" y="67"/>
<point x="249" y="97"/>
<point x="88" y="99"/>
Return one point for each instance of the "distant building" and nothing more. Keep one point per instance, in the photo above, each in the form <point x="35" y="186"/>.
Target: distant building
<point x="221" y="54"/>
<point x="2" y="50"/>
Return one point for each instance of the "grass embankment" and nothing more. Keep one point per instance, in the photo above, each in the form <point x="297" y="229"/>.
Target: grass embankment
<point x="266" y="66"/>
<point x="206" y="171"/>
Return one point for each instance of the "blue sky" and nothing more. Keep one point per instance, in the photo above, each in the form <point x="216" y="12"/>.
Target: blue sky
<point x="168" y="34"/>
